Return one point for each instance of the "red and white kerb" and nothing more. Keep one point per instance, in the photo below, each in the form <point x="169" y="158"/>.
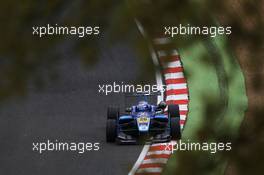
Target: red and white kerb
<point x="176" y="93"/>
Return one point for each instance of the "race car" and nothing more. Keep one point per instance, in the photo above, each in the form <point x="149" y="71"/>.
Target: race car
<point x="143" y="122"/>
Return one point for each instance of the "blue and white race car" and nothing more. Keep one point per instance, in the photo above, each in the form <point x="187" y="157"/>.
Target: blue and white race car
<point x="143" y="122"/>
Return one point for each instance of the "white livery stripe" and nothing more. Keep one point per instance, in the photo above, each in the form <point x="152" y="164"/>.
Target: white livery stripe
<point x="158" y="160"/>
<point x="150" y="170"/>
<point x="177" y="97"/>
<point x="176" y="86"/>
<point x="174" y="75"/>
<point x="173" y="64"/>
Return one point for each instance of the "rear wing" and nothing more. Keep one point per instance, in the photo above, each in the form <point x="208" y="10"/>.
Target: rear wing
<point x="135" y="97"/>
<point x="138" y="94"/>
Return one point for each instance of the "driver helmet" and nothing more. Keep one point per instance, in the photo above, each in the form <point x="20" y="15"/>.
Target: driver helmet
<point x="142" y="106"/>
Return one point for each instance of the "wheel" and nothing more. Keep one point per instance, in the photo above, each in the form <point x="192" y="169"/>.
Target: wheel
<point x="173" y="111"/>
<point x="175" y="128"/>
<point x="111" y="130"/>
<point x="112" y="113"/>
<point x="174" y="115"/>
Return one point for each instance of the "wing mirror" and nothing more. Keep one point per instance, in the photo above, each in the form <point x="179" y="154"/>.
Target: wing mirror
<point x="128" y="110"/>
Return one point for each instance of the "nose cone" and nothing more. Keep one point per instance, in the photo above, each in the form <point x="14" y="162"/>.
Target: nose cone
<point x="143" y="123"/>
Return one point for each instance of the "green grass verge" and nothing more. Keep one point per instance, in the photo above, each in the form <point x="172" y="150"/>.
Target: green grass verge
<point x="212" y="83"/>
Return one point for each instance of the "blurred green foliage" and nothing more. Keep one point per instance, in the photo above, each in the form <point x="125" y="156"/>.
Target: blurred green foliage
<point x="23" y="56"/>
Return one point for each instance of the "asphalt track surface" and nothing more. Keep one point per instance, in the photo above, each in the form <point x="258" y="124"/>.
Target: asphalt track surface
<point x="69" y="110"/>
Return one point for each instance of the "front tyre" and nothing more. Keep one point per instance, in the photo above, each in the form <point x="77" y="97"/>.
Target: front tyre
<point x="113" y="113"/>
<point x="111" y="130"/>
<point x="175" y="128"/>
<point x="174" y="111"/>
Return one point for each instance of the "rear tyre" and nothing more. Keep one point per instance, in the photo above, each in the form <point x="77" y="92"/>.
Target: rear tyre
<point x="175" y="128"/>
<point x="113" y="113"/>
<point x="111" y="130"/>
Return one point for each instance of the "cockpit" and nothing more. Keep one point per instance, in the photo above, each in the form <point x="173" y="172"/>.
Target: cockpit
<point x="143" y="106"/>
